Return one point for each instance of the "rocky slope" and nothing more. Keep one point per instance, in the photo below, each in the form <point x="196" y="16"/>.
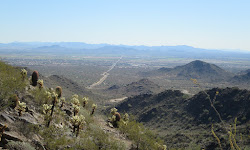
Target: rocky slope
<point x="143" y="86"/>
<point x="176" y="116"/>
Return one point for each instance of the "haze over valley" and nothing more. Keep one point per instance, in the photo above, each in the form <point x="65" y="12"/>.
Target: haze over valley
<point x="125" y="75"/>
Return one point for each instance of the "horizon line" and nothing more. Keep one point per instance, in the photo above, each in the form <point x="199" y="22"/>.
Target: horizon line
<point x="221" y="49"/>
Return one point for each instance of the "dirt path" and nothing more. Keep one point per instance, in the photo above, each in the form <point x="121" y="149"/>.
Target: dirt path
<point x="104" y="76"/>
<point x="114" y="132"/>
<point x="116" y="100"/>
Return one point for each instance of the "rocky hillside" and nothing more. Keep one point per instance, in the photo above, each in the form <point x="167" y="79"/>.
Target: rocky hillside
<point x="230" y="103"/>
<point x="143" y="86"/>
<point x="70" y="87"/>
<point x="241" y="79"/>
<point x="35" y="117"/>
<point x="176" y="116"/>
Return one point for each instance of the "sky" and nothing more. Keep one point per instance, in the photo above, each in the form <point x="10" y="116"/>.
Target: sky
<point x="211" y="24"/>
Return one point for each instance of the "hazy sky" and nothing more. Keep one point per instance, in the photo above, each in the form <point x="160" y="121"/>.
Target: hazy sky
<point x="219" y="24"/>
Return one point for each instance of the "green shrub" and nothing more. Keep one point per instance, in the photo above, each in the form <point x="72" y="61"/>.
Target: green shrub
<point x="11" y="81"/>
<point x="142" y="138"/>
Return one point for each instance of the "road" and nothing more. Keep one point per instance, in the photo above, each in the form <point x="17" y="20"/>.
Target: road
<point x="104" y="75"/>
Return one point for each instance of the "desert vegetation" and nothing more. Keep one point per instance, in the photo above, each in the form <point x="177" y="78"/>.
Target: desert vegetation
<point x="179" y="119"/>
<point x="57" y="127"/>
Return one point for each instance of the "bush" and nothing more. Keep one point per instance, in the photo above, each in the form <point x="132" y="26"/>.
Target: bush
<point x="142" y="138"/>
<point x="10" y="82"/>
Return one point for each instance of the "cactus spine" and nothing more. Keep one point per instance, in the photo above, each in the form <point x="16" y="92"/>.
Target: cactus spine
<point x="34" y="78"/>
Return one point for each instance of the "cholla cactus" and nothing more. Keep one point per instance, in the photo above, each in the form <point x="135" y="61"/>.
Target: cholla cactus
<point x="2" y="129"/>
<point x="115" y="117"/>
<point x="85" y="101"/>
<point x="75" y="96"/>
<point x="59" y="91"/>
<point x="21" y="106"/>
<point x="113" y="111"/>
<point x="24" y="73"/>
<point x="76" y="109"/>
<point x="47" y="111"/>
<point x="126" y="117"/>
<point x="46" y="108"/>
<point x="75" y="101"/>
<point x="94" y="106"/>
<point x="77" y="123"/>
<point x="34" y="78"/>
<point x="160" y="147"/>
<point x="49" y="96"/>
<point x="54" y="97"/>
<point x="62" y="100"/>
<point x="54" y="102"/>
<point x="40" y="83"/>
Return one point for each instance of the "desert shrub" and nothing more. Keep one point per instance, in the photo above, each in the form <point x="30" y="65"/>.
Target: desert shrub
<point x="10" y="82"/>
<point x="41" y="96"/>
<point x="19" y="146"/>
<point x="27" y="129"/>
<point x="85" y="142"/>
<point x="103" y="140"/>
<point x="142" y="138"/>
<point x="54" y="137"/>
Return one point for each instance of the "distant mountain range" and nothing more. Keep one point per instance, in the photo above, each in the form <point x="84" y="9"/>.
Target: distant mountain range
<point x="73" y="48"/>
